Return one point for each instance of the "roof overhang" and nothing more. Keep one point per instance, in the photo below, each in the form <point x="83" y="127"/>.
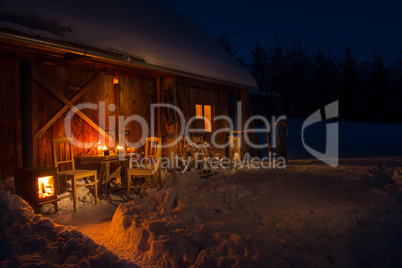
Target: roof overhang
<point x="103" y="55"/>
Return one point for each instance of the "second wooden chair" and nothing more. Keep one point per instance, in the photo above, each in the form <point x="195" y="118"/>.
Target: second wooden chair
<point x="149" y="168"/>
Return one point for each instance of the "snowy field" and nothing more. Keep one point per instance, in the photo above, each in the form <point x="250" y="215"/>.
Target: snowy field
<point x="309" y="215"/>
<point x="356" y="139"/>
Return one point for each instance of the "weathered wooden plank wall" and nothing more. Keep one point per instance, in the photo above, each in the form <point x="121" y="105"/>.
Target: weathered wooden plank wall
<point x="205" y="94"/>
<point x="10" y="114"/>
<point x="136" y="96"/>
<point x="46" y="105"/>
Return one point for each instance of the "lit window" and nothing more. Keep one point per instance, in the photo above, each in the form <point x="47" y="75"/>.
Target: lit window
<point x="206" y="112"/>
<point x="198" y="111"/>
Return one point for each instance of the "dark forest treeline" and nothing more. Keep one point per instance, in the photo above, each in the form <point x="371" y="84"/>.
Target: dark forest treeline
<point x="303" y="82"/>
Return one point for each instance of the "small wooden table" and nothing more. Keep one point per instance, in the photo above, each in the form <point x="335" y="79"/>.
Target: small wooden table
<point x="105" y="175"/>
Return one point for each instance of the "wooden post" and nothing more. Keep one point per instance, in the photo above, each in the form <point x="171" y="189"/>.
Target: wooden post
<point x="175" y="120"/>
<point x="117" y="113"/>
<point x="158" y="111"/>
<point x="26" y="114"/>
<point x="170" y="136"/>
<point x="121" y="112"/>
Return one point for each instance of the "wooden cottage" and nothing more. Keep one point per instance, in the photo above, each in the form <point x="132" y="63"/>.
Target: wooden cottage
<point x="124" y="55"/>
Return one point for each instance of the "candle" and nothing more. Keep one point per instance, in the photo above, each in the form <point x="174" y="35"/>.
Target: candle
<point x="99" y="148"/>
<point x="119" y="149"/>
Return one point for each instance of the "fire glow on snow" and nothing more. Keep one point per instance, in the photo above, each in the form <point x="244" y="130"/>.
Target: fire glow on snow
<point x="30" y="240"/>
<point x="307" y="215"/>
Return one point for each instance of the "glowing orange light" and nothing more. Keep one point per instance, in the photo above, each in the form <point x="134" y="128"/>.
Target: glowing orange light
<point x="46" y="186"/>
<point x="198" y="111"/>
<point x="119" y="147"/>
<point x="99" y="146"/>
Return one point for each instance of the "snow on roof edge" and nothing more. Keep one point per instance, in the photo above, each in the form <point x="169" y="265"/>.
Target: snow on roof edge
<point x="159" y="37"/>
<point x="88" y="51"/>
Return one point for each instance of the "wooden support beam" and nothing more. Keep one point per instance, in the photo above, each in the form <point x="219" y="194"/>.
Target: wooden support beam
<point x="26" y="114"/>
<point x="72" y="57"/>
<point x="53" y="90"/>
<point x="117" y="113"/>
<point x="158" y="111"/>
<point x="65" y="108"/>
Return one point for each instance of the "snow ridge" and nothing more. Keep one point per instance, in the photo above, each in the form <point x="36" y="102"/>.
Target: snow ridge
<point x="29" y="240"/>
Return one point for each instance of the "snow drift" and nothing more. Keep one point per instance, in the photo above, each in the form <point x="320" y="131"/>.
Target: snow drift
<point x="29" y="240"/>
<point x="183" y="225"/>
<point x="308" y="215"/>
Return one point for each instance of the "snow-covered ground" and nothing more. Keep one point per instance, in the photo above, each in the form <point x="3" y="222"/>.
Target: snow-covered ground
<point x="308" y="215"/>
<point x="29" y="240"/>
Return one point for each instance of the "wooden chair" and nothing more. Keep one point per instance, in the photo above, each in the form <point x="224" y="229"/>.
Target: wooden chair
<point x="153" y="152"/>
<point x="63" y="156"/>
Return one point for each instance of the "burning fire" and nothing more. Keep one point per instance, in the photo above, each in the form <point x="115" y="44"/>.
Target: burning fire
<point x="46" y="186"/>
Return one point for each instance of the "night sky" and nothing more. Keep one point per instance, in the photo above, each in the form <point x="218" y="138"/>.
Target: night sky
<point x="364" y="25"/>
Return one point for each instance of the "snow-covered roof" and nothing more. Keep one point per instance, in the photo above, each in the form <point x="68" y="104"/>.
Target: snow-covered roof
<point x="137" y="29"/>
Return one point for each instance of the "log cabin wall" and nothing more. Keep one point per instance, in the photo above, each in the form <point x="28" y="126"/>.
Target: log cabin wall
<point x="204" y="93"/>
<point x="195" y="92"/>
<point x="66" y="80"/>
<point x="10" y="114"/>
<point x="137" y="89"/>
<point x="135" y="96"/>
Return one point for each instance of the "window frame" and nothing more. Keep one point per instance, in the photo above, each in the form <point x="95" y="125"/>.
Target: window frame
<point x="201" y="114"/>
